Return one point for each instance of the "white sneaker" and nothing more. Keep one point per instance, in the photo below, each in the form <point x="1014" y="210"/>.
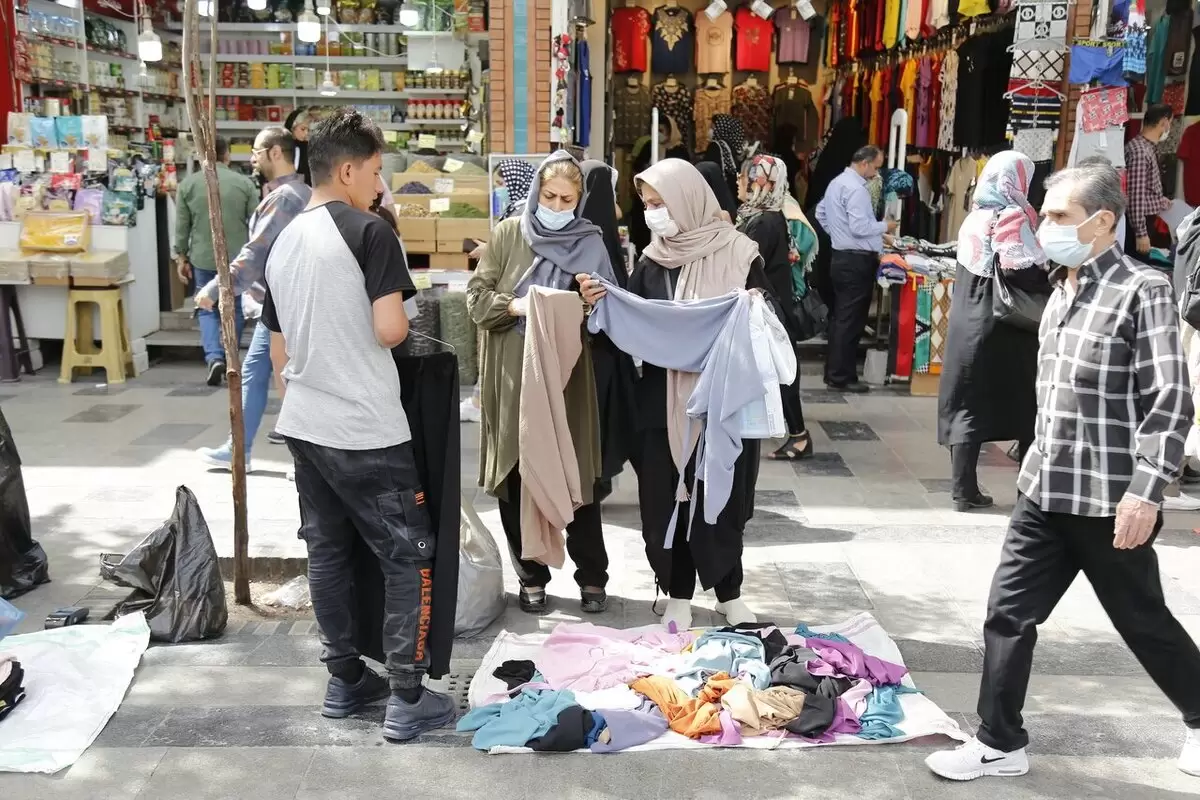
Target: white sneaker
<point x="679" y="612"/>
<point x="291" y="474"/>
<point x="1189" y="759"/>
<point x="975" y="760"/>
<point x="1181" y="502"/>
<point x="736" y="612"/>
<point x="468" y="411"/>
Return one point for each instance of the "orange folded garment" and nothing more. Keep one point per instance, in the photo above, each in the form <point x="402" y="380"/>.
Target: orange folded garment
<point x="692" y="716"/>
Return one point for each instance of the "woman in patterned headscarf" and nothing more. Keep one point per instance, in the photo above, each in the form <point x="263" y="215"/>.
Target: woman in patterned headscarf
<point x="513" y="179"/>
<point x="727" y="147"/>
<point x="761" y="217"/>
<point x="989" y="369"/>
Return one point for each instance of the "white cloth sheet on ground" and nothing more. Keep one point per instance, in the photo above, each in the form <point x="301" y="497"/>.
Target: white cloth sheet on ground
<point x="922" y="717"/>
<point x="75" y="679"/>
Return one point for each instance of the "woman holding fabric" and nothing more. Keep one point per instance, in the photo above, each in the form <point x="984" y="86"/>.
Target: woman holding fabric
<point x="761" y="218"/>
<point x="545" y="246"/>
<point x="989" y="371"/>
<point x="694" y="254"/>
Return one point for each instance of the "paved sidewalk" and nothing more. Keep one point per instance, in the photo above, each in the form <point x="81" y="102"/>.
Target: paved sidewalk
<point x="865" y="526"/>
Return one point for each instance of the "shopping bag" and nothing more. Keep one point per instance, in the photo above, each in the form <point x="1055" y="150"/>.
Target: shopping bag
<point x="23" y="563"/>
<point x="481" y="597"/>
<point x="177" y="576"/>
<point x="763" y="418"/>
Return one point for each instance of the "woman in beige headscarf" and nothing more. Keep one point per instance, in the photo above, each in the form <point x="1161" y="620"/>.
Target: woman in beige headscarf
<point x="694" y="254"/>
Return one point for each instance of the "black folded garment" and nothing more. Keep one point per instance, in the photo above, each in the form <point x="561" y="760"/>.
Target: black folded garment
<point x="12" y="690"/>
<point x="790" y="669"/>
<point x="570" y="732"/>
<point x="774" y="642"/>
<point x="515" y="673"/>
<point x="815" y="718"/>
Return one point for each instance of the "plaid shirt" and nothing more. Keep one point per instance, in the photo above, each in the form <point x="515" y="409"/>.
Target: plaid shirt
<point x="1114" y="404"/>
<point x="1144" y="180"/>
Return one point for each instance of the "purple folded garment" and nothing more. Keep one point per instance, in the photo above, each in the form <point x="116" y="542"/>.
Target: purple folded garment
<point x="628" y="729"/>
<point x="848" y="660"/>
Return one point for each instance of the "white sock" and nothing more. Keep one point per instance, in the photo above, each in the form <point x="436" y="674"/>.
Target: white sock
<point x="679" y="612"/>
<point x="736" y="612"/>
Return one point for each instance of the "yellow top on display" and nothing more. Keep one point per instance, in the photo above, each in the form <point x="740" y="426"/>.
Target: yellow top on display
<point x="56" y="232"/>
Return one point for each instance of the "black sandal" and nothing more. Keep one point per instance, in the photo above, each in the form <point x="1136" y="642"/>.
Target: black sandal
<point x="593" y="602"/>
<point x="532" y="602"/>
<point x="789" y="452"/>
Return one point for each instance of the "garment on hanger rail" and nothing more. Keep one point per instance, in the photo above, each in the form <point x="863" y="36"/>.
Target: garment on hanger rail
<point x="630" y="35"/>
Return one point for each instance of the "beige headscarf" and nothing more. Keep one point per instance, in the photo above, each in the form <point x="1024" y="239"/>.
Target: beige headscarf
<point x="713" y="259"/>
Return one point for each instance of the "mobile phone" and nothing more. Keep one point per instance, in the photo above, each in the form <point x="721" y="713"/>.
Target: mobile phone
<point x="469" y="245"/>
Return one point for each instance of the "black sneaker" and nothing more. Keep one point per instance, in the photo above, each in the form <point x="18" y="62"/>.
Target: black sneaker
<point x="216" y="372"/>
<point x="274" y="437"/>
<point x="1190" y="476"/>
<point x="343" y="699"/>
<point x="854" y="387"/>
<point x="405" y="721"/>
<point x="980" y="501"/>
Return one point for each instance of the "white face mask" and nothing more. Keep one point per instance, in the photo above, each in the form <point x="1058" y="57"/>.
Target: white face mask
<point x="659" y="221"/>
<point x="1061" y="243"/>
<point x="555" y="220"/>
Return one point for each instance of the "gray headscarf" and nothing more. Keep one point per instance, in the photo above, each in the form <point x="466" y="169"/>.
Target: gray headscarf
<point x="560" y="255"/>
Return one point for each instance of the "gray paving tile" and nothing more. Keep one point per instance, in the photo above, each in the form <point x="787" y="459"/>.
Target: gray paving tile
<point x="201" y="774"/>
<point x="286" y="651"/>
<point x="921" y="656"/>
<point x="849" y="431"/>
<point x="943" y="486"/>
<point x="101" y="773"/>
<point x="771" y="497"/>
<point x="170" y="434"/>
<point x="229" y="650"/>
<point x="196" y="390"/>
<point x="829" y="465"/>
<point x="274" y="406"/>
<point x="101" y="389"/>
<point x="104" y="412"/>
<point x="822" y="397"/>
<point x="279" y="726"/>
<point x="1133" y="735"/>
<point x="823" y="592"/>
<point x="131" y="727"/>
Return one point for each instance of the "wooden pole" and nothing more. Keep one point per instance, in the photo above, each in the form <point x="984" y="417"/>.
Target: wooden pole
<point x="201" y="117"/>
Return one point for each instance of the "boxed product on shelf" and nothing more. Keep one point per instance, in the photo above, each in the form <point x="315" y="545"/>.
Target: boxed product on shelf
<point x="62" y="232"/>
<point x="100" y="264"/>
<point x="14" y="265"/>
<point x="49" y="267"/>
<point x="417" y="229"/>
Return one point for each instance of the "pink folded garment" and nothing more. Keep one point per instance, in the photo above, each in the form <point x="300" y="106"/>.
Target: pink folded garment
<point x="848" y="660"/>
<point x="587" y="658"/>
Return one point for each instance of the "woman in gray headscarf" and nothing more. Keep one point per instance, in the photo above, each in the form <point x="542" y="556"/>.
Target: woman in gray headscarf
<point x="546" y="245"/>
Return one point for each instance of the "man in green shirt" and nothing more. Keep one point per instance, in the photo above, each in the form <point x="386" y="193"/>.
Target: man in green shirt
<point x="194" y="244"/>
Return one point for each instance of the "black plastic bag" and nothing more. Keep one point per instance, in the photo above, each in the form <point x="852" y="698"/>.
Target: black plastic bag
<point x="176" y="571"/>
<point x="810" y="314"/>
<point x="23" y="563"/>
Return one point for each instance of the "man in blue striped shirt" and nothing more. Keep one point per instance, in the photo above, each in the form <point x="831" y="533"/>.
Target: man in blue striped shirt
<point x="847" y="215"/>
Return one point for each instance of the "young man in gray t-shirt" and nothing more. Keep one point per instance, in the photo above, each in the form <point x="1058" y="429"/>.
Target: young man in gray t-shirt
<point x="336" y="283"/>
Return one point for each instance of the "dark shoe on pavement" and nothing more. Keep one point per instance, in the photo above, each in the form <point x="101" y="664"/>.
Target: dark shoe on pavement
<point x="1190" y="475"/>
<point x="532" y="602"/>
<point x="976" y="503"/>
<point x="593" y="602"/>
<point x="405" y="721"/>
<point x="216" y="372"/>
<point x="274" y="437"/>
<point x="342" y="699"/>
<point x="854" y="387"/>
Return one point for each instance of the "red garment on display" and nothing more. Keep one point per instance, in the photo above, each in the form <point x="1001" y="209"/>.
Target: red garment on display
<point x="906" y="329"/>
<point x="1189" y="154"/>
<point x="753" y="41"/>
<point x="631" y="39"/>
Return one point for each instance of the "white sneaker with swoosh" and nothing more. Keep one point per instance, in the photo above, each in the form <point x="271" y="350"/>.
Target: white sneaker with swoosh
<point x="976" y="760"/>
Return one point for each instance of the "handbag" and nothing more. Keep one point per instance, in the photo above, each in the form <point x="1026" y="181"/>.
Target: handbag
<point x="811" y="315"/>
<point x="1013" y="305"/>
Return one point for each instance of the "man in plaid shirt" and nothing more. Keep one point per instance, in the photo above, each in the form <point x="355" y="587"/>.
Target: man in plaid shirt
<point x="1146" y="199"/>
<point x="1114" y="408"/>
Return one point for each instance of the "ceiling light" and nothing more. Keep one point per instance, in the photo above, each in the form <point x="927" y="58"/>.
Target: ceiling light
<point x="408" y="16"/>
<point x="256" y="5"/>
<point x="328" y="88"/>
<point x="323" y="8"/>
<point x="69" y="3"/>
<point x="762" y="8"/>
<point x="205" y="7"/>
<point x="308" y="24"/>
<point x="149" y="45"/>
<point x="715" y="9"/>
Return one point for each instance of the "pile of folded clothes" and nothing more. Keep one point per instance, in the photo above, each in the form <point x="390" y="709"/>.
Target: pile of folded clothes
<point x="12" y="686"/>
<point x="607" y="690"/>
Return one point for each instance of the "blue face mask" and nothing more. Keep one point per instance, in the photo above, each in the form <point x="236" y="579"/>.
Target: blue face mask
<point x="554" y="220"/>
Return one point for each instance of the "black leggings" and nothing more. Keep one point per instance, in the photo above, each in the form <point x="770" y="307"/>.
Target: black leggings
<point x="585" y="541"/>
<point x="793" y="409"/>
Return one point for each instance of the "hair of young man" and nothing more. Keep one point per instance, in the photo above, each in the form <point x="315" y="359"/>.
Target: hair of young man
<point x="344" y="136"/>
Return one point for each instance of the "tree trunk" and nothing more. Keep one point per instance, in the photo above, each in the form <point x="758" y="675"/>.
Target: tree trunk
<point x="203" y="132"/>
